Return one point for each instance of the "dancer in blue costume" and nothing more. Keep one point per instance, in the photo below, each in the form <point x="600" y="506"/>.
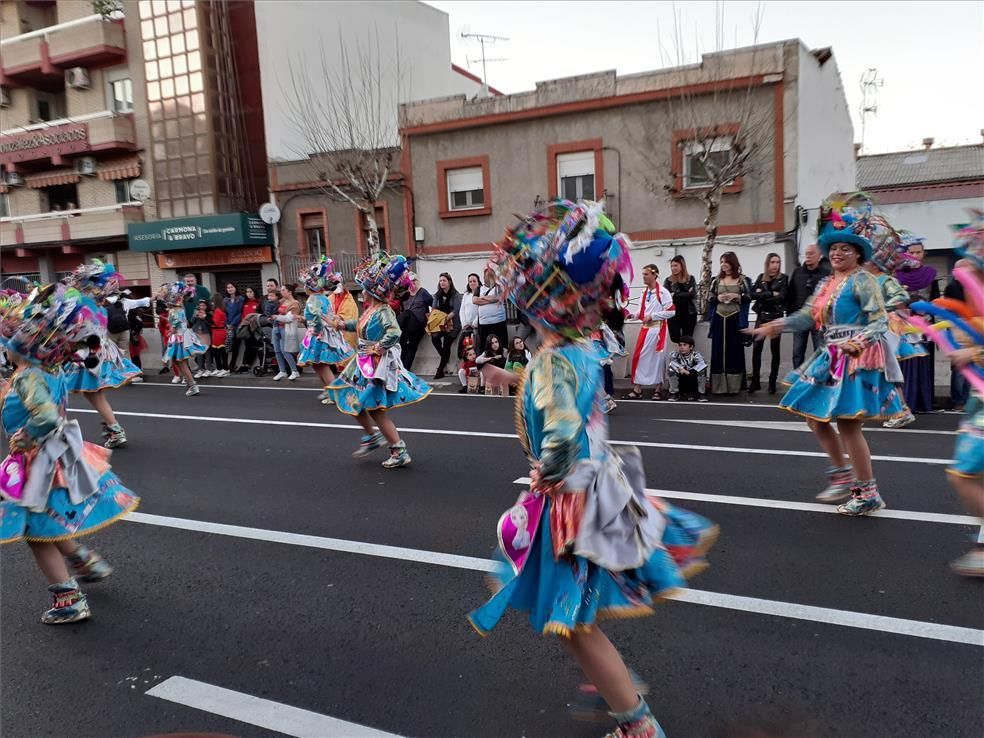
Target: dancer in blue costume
<point x="56" y="488"/>
<point x="101" y="282"/>
<point x="855" y="376"/>
<point x="182" y="343"/>
<point x="323" y="344"/>
<point x="376" y="381"/>
<point x="887" y="256"/>
<point x="585" y="542"/>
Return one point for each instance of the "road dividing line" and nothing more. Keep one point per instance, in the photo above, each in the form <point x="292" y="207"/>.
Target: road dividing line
<point x="268" y="714"/>
<point x="847" y="618"/>
<point x="797" y="426"/>
<point x="486" y="434"/>
<point x="921" y="517"/>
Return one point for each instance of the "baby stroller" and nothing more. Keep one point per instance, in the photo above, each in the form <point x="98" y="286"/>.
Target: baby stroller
<point x="259" y="348"/>
<point x="266" y="358"/>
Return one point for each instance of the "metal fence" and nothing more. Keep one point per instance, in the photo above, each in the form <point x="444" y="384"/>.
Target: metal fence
<point x="19" y="282"/>
<point x="292" y="266"/>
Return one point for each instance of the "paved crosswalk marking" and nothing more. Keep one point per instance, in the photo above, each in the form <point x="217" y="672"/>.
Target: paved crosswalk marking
<point x="847" y="618"/>
<point x="488" y="434"/>
<point x="922" y="517"/>
<point x="263" y="713"/>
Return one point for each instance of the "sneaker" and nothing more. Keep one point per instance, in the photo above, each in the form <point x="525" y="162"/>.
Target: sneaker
<point x="68" y="604"/>
<point x="177" y="379"/>
<point x="590" y="706"/>
<point x="674" y="397"/>
<point x="327" y="401"/>
<point x="899" y="421"/>
<point x="839" y="486"/>
<point x="225" y="373"/>
<point x="864" y="500"/>
<point x="201" y="373"/>
<point x="115" y="437"/>
<point x="398" y="456"/>
<point x="324" y="394"/>
<point x="279" y="375"/>
<point x="701" y="398"/>
<point x="193" y="390"/>
<point x="971" y="564"/>
<point x="293" y="376"/>
<point x="368" y="444"/>
<point x="136" y="380"/>
<point x="609" y="405"/>
<point x="88" y="566"/>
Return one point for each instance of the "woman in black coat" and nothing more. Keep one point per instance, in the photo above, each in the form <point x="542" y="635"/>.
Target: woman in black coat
<point x="683" y="288"/>
<point x="448" y="300"/>
<point x="769" y="294"/>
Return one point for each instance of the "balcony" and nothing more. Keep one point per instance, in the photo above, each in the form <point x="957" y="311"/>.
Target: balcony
<point x="38" y="58"/>
<point x="97" y="132"/>
<point x="73" y="225"/>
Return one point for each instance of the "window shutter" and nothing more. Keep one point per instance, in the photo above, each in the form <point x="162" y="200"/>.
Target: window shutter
<point x="462" y="180"/>
<point x="579" y="164"/>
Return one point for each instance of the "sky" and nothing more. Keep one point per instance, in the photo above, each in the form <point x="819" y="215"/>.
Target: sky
<point x="929" y="54"/>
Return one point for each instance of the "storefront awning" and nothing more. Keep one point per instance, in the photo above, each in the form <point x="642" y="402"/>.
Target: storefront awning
<point x="51" y="179"/>
<point x="125" y="168"/>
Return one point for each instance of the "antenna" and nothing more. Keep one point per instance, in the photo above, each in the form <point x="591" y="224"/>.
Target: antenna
<point x="870" y="84"/>
<point x="483" y="39"/>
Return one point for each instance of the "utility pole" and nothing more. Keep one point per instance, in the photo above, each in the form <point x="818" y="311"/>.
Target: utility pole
<point x="870" y="84"/>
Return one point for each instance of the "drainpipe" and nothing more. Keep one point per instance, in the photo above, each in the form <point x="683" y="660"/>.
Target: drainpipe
<point x="618" y="183"/>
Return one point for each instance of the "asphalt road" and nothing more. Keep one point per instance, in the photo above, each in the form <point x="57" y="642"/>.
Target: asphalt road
<point x="265" y="561"/>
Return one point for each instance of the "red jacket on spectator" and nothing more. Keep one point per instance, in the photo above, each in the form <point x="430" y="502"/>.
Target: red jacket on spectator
<point x="218" y="327"/>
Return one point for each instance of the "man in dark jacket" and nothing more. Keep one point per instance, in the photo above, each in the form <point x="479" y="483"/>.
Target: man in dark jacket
<point x="413" y="320"/>
<point x="201" y="293"/>
<point x="802" y="284"/>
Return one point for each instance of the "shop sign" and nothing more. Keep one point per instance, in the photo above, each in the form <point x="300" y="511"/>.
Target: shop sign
<point x="215" y="257"/>
<point x="205" y="232"/>
<point x="70" y="138"/>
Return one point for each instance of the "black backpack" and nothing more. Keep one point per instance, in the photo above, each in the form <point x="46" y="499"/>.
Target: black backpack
<point x="117" y="322"/>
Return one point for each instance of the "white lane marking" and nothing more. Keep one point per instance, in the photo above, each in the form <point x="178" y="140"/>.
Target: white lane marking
<point x="793" y="425"/>
<point x="488" y="434"/>
<point x="263" y="713"/>
<point x="880" y="623"/>
<point x="922" y="517"/>
<point x="328" y="544"/>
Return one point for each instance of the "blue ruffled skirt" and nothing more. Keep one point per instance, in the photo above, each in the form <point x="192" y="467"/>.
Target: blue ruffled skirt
<point x="319" y="351"/>
<point x="184" y="349"/>
<point x="61" y="520"/>
<point x="352" y="392"/>
<point x="968" y="456"/>
<point x="571" y="593"/>
<point x="108" y="375"/>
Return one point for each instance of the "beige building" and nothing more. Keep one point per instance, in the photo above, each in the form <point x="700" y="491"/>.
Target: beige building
<point x="472" y="163"/>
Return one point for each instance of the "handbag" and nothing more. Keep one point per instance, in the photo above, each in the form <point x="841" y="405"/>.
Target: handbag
<point x="13" y="476"/>
<point x="435" y="322"/>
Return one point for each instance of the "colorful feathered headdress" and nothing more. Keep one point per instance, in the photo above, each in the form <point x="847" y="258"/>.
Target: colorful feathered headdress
<point x="321" y="277"/>
<point x="96" y="278"/>
<point x="383" y="275"/>
<point x="52" y="326"/>
<point x="849" y="218"/>
<point x="176" y="293"/>
<point x="558" y="265"/>
<point x="969" y="238"/>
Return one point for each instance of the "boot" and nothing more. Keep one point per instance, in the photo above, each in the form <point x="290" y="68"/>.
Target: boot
<point x="88" y="566"/>
<point x="368" y="444"/>
<point x="636" y="723"/>
<point x="864" y="500"/>
<point x="754" y="385"/>
<point x="772" y="385"/>
<point x="115" y="436"/>
<point x="398" y="456"/>
<point x="839" y="486"/>
<point x="68" y="604"/>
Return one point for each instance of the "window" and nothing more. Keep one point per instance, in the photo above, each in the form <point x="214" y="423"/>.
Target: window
<point x="465" y="190"/>
<point x="60" y="197"/>
<point x="50" y="106"/>
<point x="121" y="96"/>
<point x="695" y="170"/>
<point x="314" y="239"/>
<point x="123" y="195"/>
<point x="4" y="206"/>
<point x="576" y="175"/>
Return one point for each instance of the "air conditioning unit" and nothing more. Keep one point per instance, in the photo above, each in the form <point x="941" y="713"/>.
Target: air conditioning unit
<point x="13" y="179"/>
<point x="85" y="165"/>
<point x="78" y="78"/>
<point x="4" y="97"/>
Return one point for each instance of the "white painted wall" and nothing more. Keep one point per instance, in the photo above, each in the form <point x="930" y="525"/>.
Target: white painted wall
<point x="290" y="31"/>
<point x="824" y="136"/>
<point x="930" y="219"/>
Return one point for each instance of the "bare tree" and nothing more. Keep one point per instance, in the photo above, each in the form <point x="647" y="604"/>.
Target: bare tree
<point x="711" y="157"/>
<point x="345" y="112"/>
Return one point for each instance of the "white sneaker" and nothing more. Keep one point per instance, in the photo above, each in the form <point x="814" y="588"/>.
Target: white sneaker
<point x="177" y="379"/>
<point x="192" y="390"/>
<point x="293" y="376"/>
<point x="224" y="373"/>
<point x="136" y="380"/>
<point x="200" y="373"/>
<point x="279" y="375"/>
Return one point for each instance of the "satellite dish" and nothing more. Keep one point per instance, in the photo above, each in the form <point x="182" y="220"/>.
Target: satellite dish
<point x="269" y="213"/>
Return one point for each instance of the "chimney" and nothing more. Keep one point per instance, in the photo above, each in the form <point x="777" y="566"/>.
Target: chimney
<point x="982" y="134"/>
<point x="857" y="149"/>
<point x="928" y="143"/>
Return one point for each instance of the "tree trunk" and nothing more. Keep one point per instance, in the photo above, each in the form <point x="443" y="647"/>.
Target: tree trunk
<point x="706" y="255"/>
<point x="372" y="227"/>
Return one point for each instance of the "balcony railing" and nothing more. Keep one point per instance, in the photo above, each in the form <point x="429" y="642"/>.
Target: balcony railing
<point x="70" y="225"/>
<point x="102" y="131"/>
<point x="39" y="57"/>
<point x="293" y="267"/>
